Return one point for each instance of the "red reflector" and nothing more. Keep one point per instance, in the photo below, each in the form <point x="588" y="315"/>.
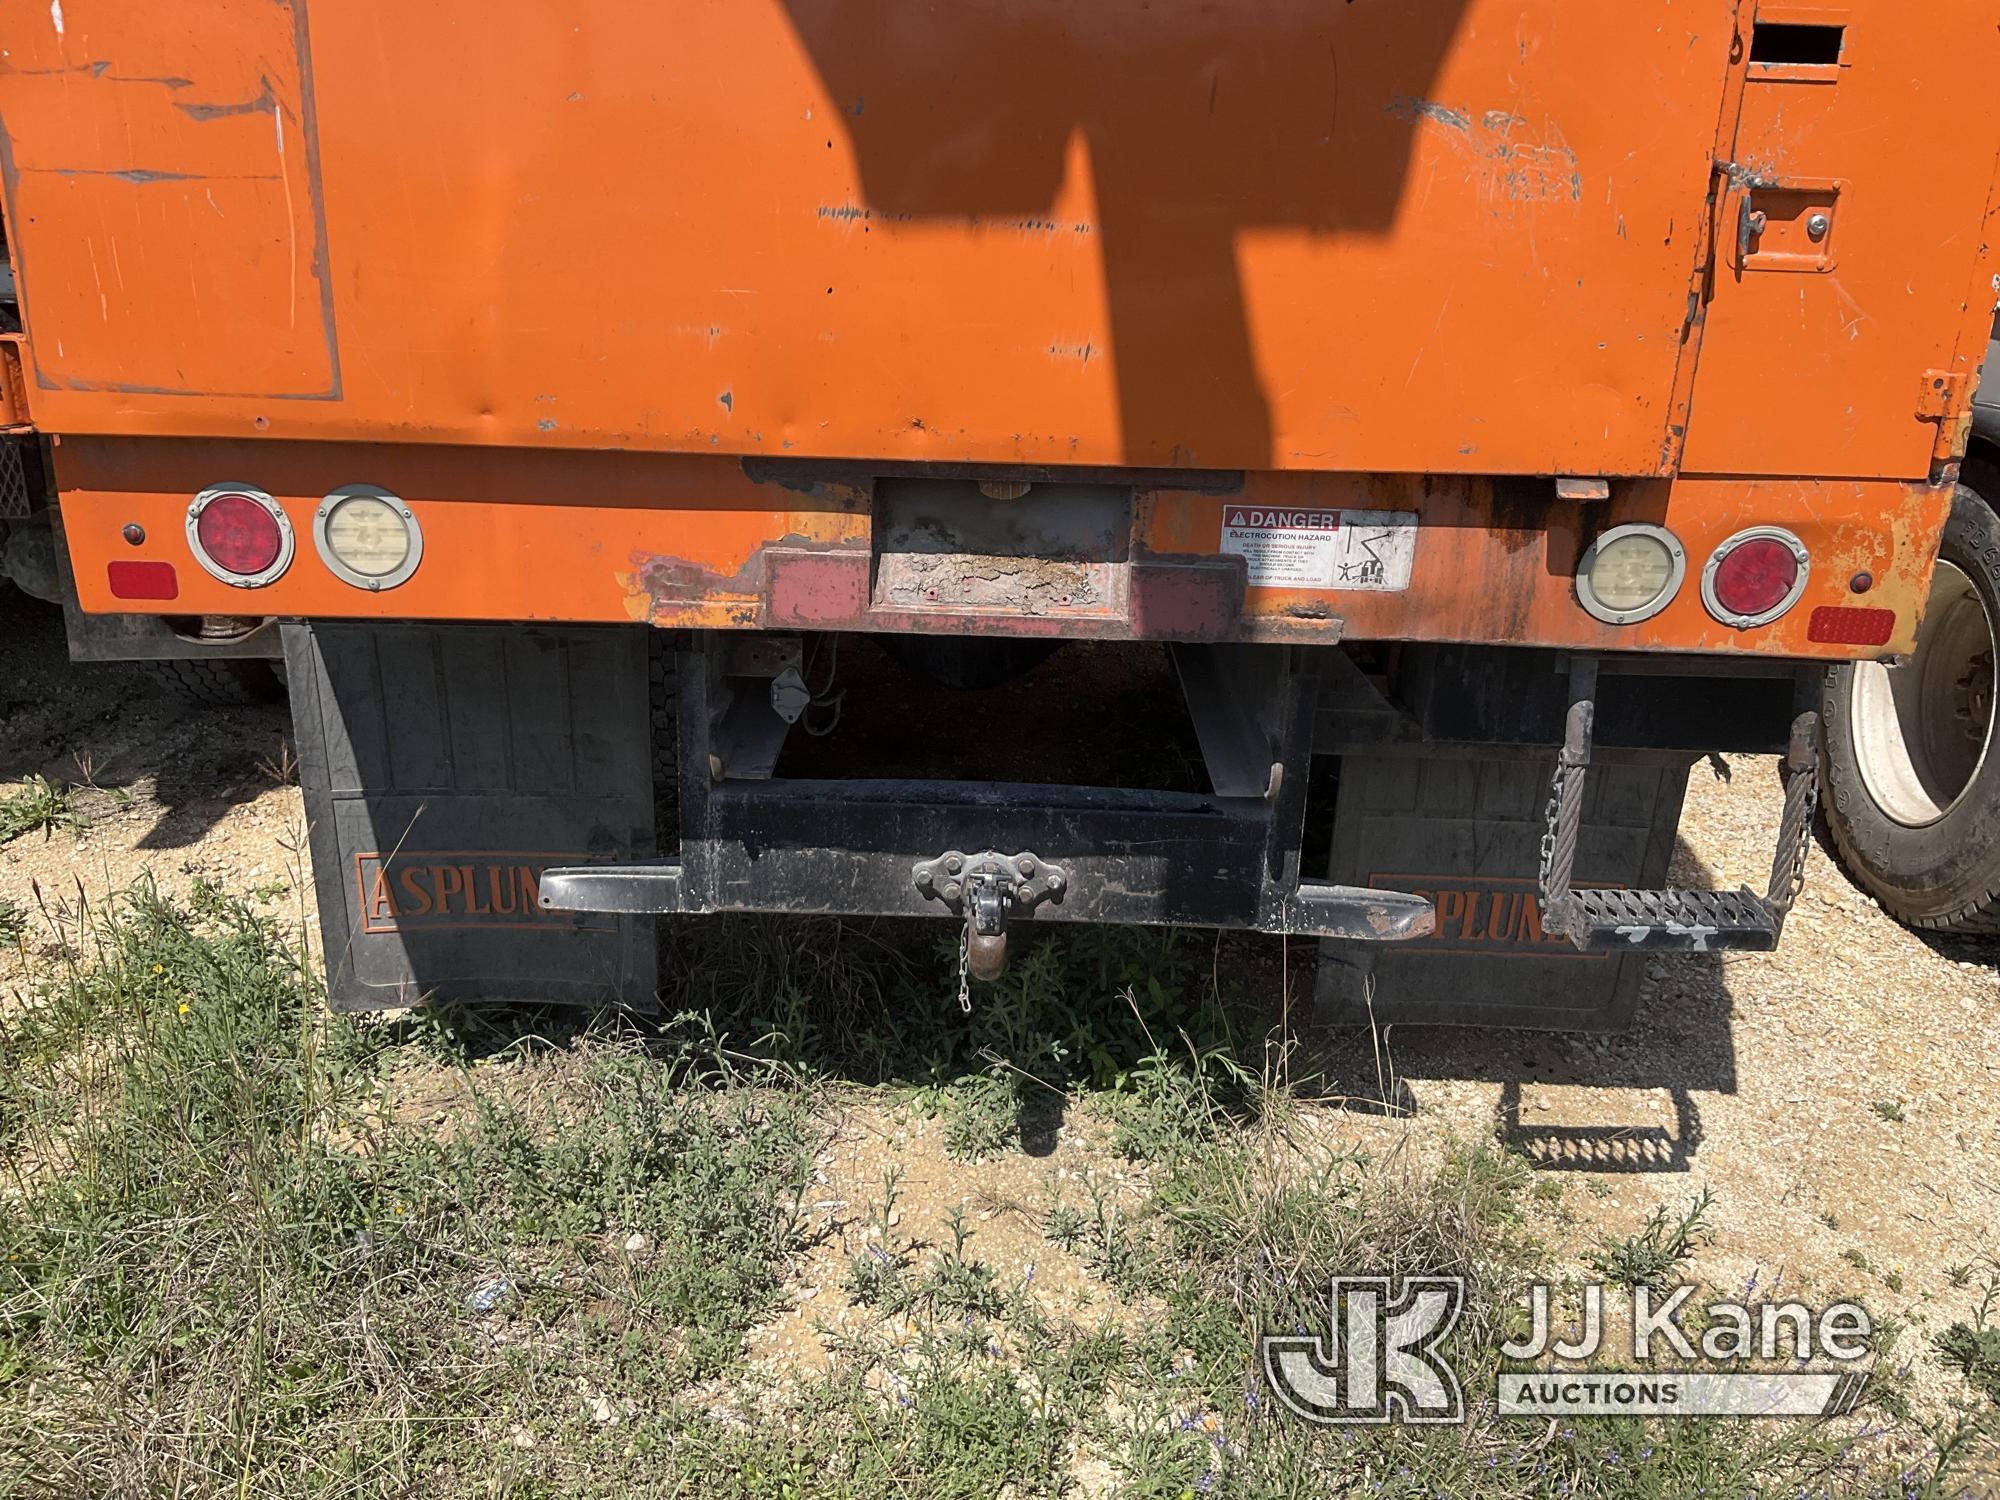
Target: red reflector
<point x="1756" y="576"/>
<point x="239" y="535"/>
<point x="142" y="580"/>
<point x="1851" y="627"/>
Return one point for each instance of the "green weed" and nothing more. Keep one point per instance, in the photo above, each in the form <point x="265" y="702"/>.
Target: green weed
<point x="1657" y="1251"/>
<point x="226" y="1258"/>
<point x="1973" y="1348"/>
<point x="981" y="1113"/>
<point x="39" y="806"/>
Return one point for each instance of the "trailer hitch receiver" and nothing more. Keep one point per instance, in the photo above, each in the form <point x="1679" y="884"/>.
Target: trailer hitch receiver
<point x="986" y="889"/>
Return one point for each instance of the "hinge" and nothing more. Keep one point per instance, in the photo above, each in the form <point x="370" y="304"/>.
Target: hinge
<point x="1946" y="399"/>
<point x="1943" y="395"/>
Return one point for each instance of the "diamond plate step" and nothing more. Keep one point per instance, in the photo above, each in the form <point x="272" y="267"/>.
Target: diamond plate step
<point x="1601" y="921"/>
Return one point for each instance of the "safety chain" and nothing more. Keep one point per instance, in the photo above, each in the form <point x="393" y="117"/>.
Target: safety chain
<point x="1564" y="820"/>
<point x="1545" y="874"/>
<point x="1562" y="825"/>
<point x="1788" y="870"/>
<point x="964" y="962"/>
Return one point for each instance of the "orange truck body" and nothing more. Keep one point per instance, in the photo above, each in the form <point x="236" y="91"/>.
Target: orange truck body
<point x="634" y="304"/>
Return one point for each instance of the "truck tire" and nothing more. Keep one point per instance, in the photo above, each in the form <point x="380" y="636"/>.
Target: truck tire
<point x="222" y="681"/>
<point x="1912" y="783"/>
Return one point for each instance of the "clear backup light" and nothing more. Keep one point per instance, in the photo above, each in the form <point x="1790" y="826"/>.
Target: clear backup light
<point x="239" y="534"/>
<point x="1630" y="573"/>
<point x="1755" y="576"/>
<point x="367" y="536"/>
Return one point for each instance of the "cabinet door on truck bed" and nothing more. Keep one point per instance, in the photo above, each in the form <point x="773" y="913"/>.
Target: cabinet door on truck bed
<point x="1443" y="235"/>
<point x="1850" y="311"/>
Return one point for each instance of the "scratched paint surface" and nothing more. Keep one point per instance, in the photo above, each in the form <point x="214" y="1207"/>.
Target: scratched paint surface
<point x="163" y="200"/>
<point x="1443" y="235"/>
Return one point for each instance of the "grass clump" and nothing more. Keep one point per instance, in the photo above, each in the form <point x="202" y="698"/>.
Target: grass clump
<point x="38" y="806"/>
<point x="1973" y="1347"/>
<point x="1658" y="1250"/>
<point x="981" y="1113"/>
<point x="226" y="1257"/>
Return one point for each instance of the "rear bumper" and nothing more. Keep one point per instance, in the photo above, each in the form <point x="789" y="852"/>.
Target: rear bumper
<point x="853" y="848"/>
<point x="710" y="543"/>
<point x="753" y="841"/>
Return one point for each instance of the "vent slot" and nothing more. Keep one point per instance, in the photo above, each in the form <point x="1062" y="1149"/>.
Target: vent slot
<point x="1779" y="44"/>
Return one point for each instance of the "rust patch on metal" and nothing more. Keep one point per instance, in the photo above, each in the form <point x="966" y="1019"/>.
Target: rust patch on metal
<point x="681" y="592"/>
<point x="972" y="580"/>
<point x="800" y="584"/>
<point x="1399" y="923"/>
<point x="677" y="580"/>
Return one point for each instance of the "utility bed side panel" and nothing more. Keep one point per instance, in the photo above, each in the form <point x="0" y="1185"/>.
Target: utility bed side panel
<point x="1441" y="235"/>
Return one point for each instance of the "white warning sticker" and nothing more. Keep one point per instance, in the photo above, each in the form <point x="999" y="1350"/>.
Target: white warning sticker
<point x="1293" y="547"/>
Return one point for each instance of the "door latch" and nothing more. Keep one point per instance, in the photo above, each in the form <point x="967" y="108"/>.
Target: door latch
<point x="1783" y="224"/>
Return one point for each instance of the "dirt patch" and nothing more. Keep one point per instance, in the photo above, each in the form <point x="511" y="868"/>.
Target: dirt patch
<point x="887" y="1186"/>
<point x="163" y="789"/>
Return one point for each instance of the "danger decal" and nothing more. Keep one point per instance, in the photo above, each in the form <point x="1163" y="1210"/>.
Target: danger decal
<point x="1307" y="547"/>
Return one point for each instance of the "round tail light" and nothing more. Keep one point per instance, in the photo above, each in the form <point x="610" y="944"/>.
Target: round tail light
<point x="1630" y="573"/>
<point x="1755" y="576"/>
<point x="368" y="537"/>
<point x="239" y="534"/>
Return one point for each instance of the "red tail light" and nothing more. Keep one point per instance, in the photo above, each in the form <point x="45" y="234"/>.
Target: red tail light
<point x="1755" y="576"/>
<point x="239" y="535"/>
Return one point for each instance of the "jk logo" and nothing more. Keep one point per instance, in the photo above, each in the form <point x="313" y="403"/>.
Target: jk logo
<point x="1381" y="1363"/>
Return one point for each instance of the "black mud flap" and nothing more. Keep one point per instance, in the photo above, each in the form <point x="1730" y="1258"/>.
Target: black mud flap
<point x="444" y="769"/>
<point x="1463" y="825"/>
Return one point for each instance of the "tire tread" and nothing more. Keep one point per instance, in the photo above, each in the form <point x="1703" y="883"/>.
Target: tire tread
<point x="221" y="682"/>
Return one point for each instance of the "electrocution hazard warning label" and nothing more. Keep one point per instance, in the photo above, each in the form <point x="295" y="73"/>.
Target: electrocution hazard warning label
<point x="1289" y="547"/>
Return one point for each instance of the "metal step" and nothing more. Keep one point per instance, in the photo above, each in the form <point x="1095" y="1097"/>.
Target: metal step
<point x="1611" y="920"/>
<point x="1604" y="921"/>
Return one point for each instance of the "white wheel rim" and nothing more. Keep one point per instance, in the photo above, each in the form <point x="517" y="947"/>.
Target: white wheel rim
<point x="1922" y="730"/>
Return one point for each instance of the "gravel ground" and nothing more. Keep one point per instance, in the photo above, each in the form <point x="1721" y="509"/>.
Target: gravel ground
<point x="1842" y="1096"/>
<point x="170" y="790"/>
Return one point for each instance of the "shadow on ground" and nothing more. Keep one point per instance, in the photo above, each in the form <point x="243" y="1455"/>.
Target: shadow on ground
<point x="1127" y="1009"/>
<point x="1680" y="1044"/>
<point x="117" y="732"/>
